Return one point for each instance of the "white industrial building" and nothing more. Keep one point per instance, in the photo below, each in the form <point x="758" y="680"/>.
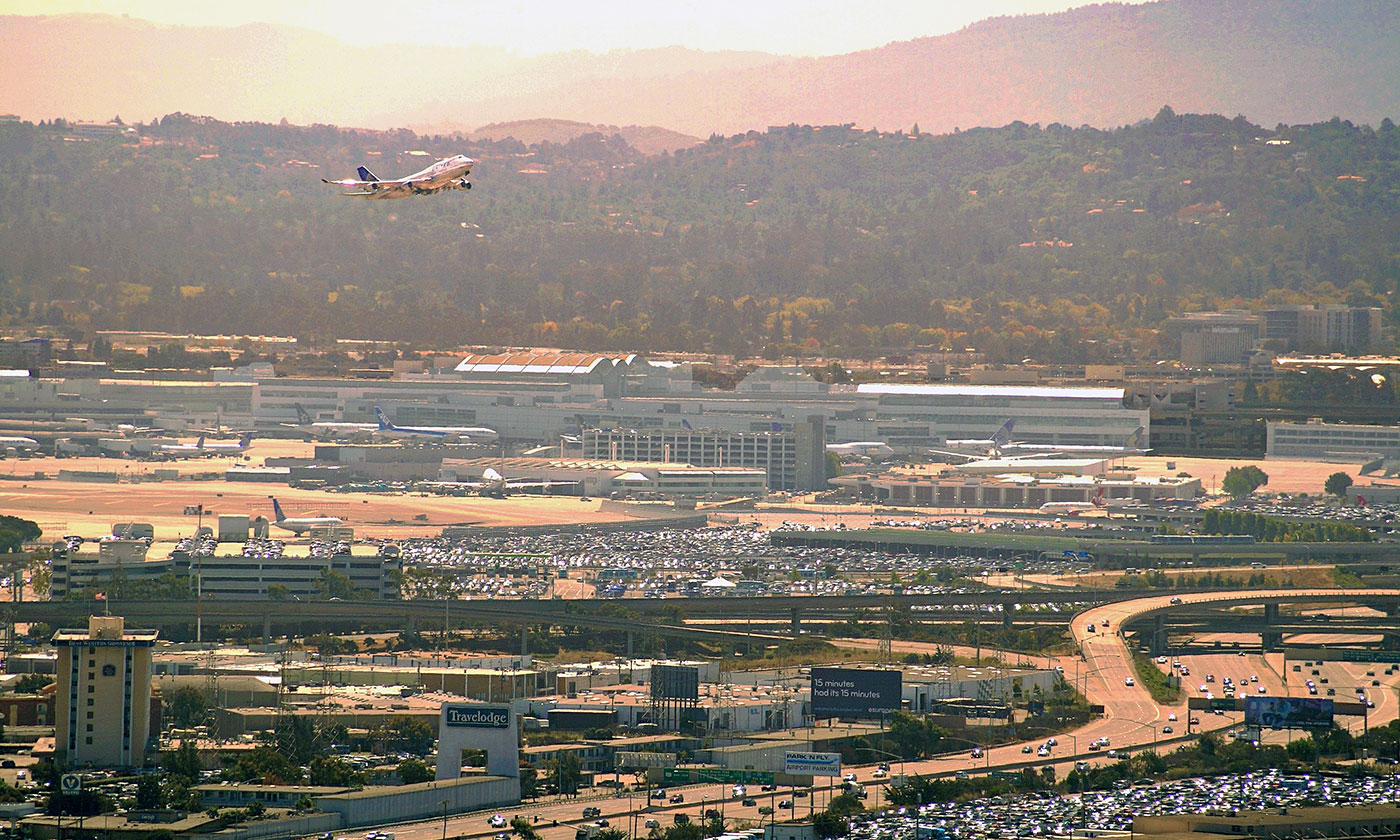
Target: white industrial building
<point x="1341" y="442"/>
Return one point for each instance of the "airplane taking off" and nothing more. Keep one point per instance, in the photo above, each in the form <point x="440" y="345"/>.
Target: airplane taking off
<point x="1134" y="446"/>
<point x="861" y="448"/>
<point x="447" y="433"/>
<point x="1074" y="507"/>
<point x="447" y="174"/>
<point x="301" y="524"/>
<point x="326" y="429"/>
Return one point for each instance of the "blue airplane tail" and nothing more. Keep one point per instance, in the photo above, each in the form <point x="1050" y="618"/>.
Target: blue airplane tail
<point x="366" y="175"/>
<point x="384" y="424"/>
<point x="199" y="444"/>
<point x="1136" y="440"/>
<point x="277" y="511"/>
<point x="1003" y="435"/>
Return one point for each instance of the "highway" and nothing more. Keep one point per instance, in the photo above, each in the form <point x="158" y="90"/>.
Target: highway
<point x="1131" y="719"/>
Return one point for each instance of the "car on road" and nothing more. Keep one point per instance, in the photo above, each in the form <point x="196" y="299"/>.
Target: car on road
<point x="496" y="821"/>
<point x="652" y="822"/>
<point x="676" y="798"/>
<point x="785" y="804"/>
<point x="1171" y="716"/>
<point x="1166" y="730"/>
<point x="976" y="752"/>
<point x="590" y="812"/>
<point x="879" y="773"/>
<point x="659" y="793"/>
<point x="1027" y="749"/>
<point x="749" y="802"/>
<point x="1128" y="681"/>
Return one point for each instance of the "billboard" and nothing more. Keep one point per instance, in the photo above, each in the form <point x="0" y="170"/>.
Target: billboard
<point x="855" y="692"/>
<point x="812" y="764"/>
<point x="675" y="682"/>
<point x="645" y="759"/>
<point x="1288" y="712"/>
<point x="476" y="717"/>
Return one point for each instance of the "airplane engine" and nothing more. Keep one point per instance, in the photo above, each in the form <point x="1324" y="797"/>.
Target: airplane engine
<point x="464" y="184"/>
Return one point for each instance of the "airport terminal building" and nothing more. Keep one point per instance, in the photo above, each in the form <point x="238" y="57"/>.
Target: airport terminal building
<point x="525" y="401"/>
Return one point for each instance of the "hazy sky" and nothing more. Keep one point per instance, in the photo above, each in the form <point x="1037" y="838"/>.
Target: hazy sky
<point x="811" y="27"/>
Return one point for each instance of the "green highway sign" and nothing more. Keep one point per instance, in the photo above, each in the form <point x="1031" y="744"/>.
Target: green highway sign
<point x="694" y="776"/>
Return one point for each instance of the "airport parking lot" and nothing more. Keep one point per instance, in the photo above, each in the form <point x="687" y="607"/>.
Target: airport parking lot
<point x="1041" y="815"/>
<point x="679" y="563"/>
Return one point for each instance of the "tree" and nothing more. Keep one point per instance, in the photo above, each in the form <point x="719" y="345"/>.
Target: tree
<point x="14" y="532"/>
<point x="414" y="770"/>
<point x="266" y="766"/>
<point x="611" y="834"/>
<point x="1241" y="481"/>
<point x="333" y="771"/>
<point x="278" y="592"/>
<point x="529" y="781"/>
<point x="1337" y="484"/>
<point x="150" y="792"/>
<point x="186" y="706"/>
<point x="183" y="763"/>
<point x="522" y="827"/>
<point x="401" y="733"/>
<point x="566" y="772"/>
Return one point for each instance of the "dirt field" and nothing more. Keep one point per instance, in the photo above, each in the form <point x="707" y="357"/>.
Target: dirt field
<point x="1284" y="476"/>
<point x="89" y="509"/>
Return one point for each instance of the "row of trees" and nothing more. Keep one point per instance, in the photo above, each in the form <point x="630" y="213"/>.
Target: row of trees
<point x="1273" y="529"/>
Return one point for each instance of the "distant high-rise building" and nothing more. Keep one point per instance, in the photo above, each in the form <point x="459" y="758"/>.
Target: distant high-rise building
<point x="1344" y="327"/>
<point x="103" y="702"/>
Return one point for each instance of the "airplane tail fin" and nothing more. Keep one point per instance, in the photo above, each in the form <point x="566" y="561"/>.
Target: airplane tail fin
<point x="1361" y="501"/>
<point x="199" y="444"/>
<point x="1098" y="498"/>
<point x="365" y="174"/>
<point x="1003" y="435"/>
<point x="1137" y="438"/>
<point x="277" y="513"/>
<point x="384" y="424"/>
<point x="245" y="440"/>
<point x="302" y="416"/>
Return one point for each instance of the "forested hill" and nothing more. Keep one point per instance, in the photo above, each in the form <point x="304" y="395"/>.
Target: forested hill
<point x="1049" y="242"/>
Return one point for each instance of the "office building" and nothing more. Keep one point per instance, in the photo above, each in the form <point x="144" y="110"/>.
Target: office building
<point x="792" y="460"/>
<point x="1340" y="327"/>
<point x="103" y="701"/>
<point x="1342" y="442"/>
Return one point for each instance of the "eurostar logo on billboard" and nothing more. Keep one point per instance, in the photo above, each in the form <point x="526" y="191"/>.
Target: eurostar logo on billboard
<point x="477" y="717"/>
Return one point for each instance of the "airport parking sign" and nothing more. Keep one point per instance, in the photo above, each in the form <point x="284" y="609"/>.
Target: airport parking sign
<point x="71" y="783"/>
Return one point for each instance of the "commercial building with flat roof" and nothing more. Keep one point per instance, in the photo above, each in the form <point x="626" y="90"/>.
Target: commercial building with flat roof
<point x="1006" y="491"/>
<point x="103" y="700"/>
<point x="1341" y="442"/>
<point x="792" y="460"/>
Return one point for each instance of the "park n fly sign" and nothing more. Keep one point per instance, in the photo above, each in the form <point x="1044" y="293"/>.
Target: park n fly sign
<point x="477" y="717"/>
<point x="812" y="764"/>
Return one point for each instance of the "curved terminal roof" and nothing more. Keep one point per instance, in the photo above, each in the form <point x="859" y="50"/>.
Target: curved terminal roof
<point x="540" y="363"/>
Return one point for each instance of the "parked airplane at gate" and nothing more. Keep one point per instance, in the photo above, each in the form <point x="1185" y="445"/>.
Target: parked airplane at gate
<point x="444" y="433"/>
<point x="329" y="429"/>
<point x="302" y="524"/>
<point x="447" y="174"/>
<point x="1134" y="446"/>
<point x="861" y="448"/>
<point x="1074" y="507"/>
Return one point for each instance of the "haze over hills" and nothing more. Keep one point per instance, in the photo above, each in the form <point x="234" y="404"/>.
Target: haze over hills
<point x="1108" y="65"/>
<point x="648" y="140"/>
